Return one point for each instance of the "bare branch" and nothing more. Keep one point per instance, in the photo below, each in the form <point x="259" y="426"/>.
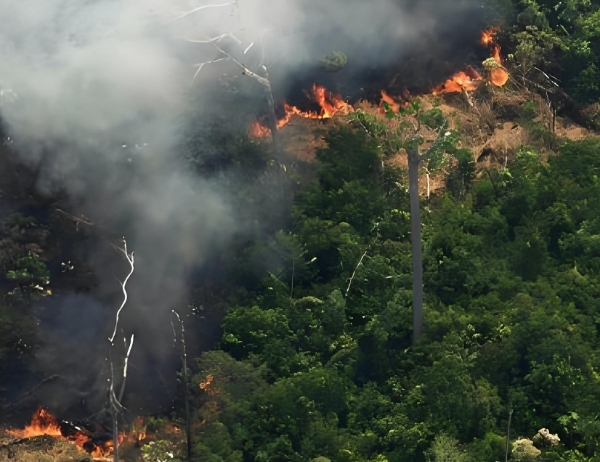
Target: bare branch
<point x="218" y="5"/>
<point x="355" y="269"/>
<point x="130" y="259"/>
<point x="216" y="39"/>
<point x="127" y="356"/>
<point x="201" y="65"/>
<point x="77" y="220"/>
<point x="125" y="364"/>
<point x="553" y="80"/>
<point x="247" y="71"/>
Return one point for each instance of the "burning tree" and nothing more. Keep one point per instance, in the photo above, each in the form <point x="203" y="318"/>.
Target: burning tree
<point x="235" y="55"/>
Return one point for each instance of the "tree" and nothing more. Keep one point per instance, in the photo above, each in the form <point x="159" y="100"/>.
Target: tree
<point x="115" y="397"/>
<point x="260" y="75"/>
<point x="406" y="130"/>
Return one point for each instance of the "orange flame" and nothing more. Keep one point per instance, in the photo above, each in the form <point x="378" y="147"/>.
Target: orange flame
<point x="488" y="37"/>
<point x="330" y="104"/>
<point x="498" y="76"/>
<point x="257" y="130"/>
<point x="469" y="80"/>
<point x="385" y="98"/>
<point x="466" y="80"/>
<point x="208" y="386"/>
<point x="44" y="423"/>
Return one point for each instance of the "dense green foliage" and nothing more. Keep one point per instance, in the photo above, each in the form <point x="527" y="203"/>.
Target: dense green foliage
<point x="324" y="370"/>
<point x="316" y="363"/>
<point x="22" y="279"/>
<point x="559" y="38"/>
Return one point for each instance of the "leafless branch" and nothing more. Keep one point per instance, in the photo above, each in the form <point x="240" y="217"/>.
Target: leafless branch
<point x="201" y="65"/>
<point x="217" y="5"/>
<point x="43" y="382"/>
<point x="355" y="269"/>
<point x="216" y="39"/>
<point x="130" y="259"/>
<point x="125" y="364"/>
<point x="246" y="71"/>
<point x="553" y="80"/>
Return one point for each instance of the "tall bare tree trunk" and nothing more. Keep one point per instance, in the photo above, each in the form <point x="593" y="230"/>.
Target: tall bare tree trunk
<point x="272" y="118"/>
<point x="510" y="412"/>
<point x="417" y="252"/>
<point x="188" y="419"/>
<point x="115" y="430"/>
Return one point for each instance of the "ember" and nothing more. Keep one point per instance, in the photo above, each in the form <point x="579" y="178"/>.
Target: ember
<point x="257" y="130"/>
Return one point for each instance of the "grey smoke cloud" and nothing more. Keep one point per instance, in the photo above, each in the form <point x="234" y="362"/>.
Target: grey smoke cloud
<point x="84" y="81"/>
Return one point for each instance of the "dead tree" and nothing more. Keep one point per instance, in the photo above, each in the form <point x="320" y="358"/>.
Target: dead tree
<point x="260" y="74"/>
<point x="188" y="421"/>
<point x="406" y="132"/>
<point x="115" y="408"/>
<point x="510" y="413"/>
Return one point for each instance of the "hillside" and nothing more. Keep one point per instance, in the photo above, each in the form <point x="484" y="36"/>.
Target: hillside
<point x="234" y="278"/>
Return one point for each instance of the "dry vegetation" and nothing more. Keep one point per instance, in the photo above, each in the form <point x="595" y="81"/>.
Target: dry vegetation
<point x="42" y="449"/>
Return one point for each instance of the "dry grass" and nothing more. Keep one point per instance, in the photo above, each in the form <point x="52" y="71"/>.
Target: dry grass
<point x="42" y="449"/>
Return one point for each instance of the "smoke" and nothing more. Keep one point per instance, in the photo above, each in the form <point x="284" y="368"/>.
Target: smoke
<point x="96" y="95"/>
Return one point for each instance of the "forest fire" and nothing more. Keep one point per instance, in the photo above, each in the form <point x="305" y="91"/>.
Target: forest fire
<point x="330" y="105"/>
<point x="469" y="79"/>
<point x="498" y="75"/>
<point x="258" y="130"/>
<point x="44" y="423"/>
<point x="466" y="80"/>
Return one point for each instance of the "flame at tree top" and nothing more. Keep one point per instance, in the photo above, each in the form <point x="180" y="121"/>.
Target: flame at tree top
<point x="470" y="79"/>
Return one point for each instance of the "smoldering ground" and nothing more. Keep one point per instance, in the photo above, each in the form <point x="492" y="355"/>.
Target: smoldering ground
<point x="98" y="98"/>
